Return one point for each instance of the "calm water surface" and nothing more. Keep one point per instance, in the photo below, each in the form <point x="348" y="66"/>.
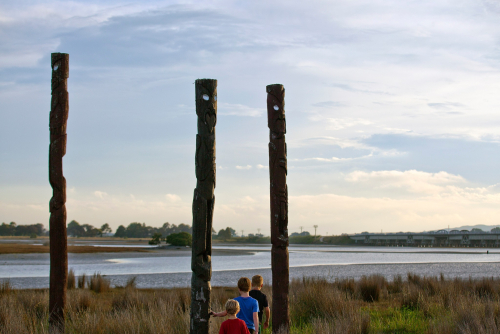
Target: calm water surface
<point x="158" y="270"/>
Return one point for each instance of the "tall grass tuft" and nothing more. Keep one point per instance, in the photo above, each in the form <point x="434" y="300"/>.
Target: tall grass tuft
<point x="98" y="283"/>
<point x="71" y="279"/>
<point x="82" y="281"/>
<point x="486" y="288"/>
<point x="5" y="287"/>
<point x="370" y="287"/>
<point x="131" y="283"/>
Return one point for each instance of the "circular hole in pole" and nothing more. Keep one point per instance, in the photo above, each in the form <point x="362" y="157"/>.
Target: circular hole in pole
<point x="215" y="98"/>
<point x="205" y="97"/>
<point x="276" y="107"/>
<point x="56" y="66"/>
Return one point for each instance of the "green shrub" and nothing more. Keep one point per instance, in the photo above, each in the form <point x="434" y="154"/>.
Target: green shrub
<point x="180" y="239"/>
<point x="155" y="239"/>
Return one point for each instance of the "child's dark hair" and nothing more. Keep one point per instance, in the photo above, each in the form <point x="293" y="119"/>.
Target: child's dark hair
<point x="244" y="284"/>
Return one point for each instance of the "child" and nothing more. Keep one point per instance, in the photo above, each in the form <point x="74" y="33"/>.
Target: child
<point x="257" y="283"/>
<point x="249" y="307"/>
<point x="233" y="325"/>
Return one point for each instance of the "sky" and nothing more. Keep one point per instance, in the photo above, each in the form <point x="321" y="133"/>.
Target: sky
<point x="392" y="111"/>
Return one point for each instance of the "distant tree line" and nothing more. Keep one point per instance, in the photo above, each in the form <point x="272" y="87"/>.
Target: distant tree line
<point x="13" y="229"/>
<point x="138" y="230"/>
<point x="224" y="234"/>
<point x="133" y="230"/>
<point x="74" y="229"/>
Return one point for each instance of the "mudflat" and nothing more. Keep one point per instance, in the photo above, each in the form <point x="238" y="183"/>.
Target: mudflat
<point x="13" y="248"/>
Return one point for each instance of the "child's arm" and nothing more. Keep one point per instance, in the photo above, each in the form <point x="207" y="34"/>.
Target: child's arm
<point x="220" y="314"/>
<point x="256" y="322"/>
<point x="268" y="315"/>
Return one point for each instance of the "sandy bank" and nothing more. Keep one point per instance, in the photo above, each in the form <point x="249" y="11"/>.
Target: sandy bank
<point x="12" y="248"/>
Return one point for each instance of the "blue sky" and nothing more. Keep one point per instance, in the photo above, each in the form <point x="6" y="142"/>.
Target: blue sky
<point x="392" y="110"/>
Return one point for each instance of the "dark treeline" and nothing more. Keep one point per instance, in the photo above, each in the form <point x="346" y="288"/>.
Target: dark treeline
<point x="138" y="230"/>
<point x="13" y="229"/>
<point x="133" y="230"/>
<point x="76" y="230"/>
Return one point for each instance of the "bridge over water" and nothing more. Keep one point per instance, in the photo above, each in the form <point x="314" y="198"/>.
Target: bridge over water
<point x="440" y="238"/>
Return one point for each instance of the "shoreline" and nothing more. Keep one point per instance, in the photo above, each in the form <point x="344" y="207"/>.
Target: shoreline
<point x="329" y="272"/>
<point x="16" y="245"/>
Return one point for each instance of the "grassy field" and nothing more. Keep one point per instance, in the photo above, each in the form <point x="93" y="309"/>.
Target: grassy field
<point x="12" y="248"/>
<point x="371" y="305"/>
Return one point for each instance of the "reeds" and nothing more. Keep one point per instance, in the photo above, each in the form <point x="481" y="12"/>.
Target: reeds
<point x="373" y="304"/>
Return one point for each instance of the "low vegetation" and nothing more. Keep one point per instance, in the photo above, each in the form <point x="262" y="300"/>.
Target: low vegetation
<point x="414" y="304"/>
<point x="297" y="239"/>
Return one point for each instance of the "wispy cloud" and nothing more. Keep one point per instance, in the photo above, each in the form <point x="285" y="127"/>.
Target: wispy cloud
<point x="413" y="180"/>
<point x="446" y="105"/>
<point x="328" y="104"/>
<point x="334" y="159"/>
<point x="172" y="198"/>
<point x="100" y="194"/>
<point x="228" y="109"/>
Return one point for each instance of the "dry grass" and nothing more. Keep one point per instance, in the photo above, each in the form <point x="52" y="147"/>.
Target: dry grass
<point x="11" y="248"/>
<point x="373" y="304"/>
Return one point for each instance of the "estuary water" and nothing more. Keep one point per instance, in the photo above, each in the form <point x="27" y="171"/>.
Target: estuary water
<point x="172" y="268"/>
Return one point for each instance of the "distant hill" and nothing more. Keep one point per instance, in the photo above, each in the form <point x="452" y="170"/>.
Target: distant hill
<point x="485" y="228"/>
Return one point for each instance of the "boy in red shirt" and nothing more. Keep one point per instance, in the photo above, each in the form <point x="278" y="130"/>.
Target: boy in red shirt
<point x="233" y="325"/>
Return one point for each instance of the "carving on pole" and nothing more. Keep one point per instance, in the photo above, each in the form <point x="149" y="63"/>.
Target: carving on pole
<point x="203" y="205"/>
<point x="279" y="206"/>
<point x="57" y="149"/>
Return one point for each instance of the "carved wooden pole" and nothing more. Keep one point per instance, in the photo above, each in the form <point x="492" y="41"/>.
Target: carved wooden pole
<point x="203" y="205"/>
<point x="57" y="149"/>
<point x="279" y="206"/>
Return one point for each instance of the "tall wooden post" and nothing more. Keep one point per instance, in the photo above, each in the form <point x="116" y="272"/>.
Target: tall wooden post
<point x="203" y="205"/>
<point x="57" y="149"/>
<point x="279" y="206"/>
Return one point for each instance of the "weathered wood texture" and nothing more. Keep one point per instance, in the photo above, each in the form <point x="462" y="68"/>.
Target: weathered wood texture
<point x="203" y="205"/>
<point x="279" y="206"/>
<point x="58" y="239"/>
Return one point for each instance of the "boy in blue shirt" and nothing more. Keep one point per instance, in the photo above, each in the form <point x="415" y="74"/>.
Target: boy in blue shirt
<point x="249" y="307"/>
